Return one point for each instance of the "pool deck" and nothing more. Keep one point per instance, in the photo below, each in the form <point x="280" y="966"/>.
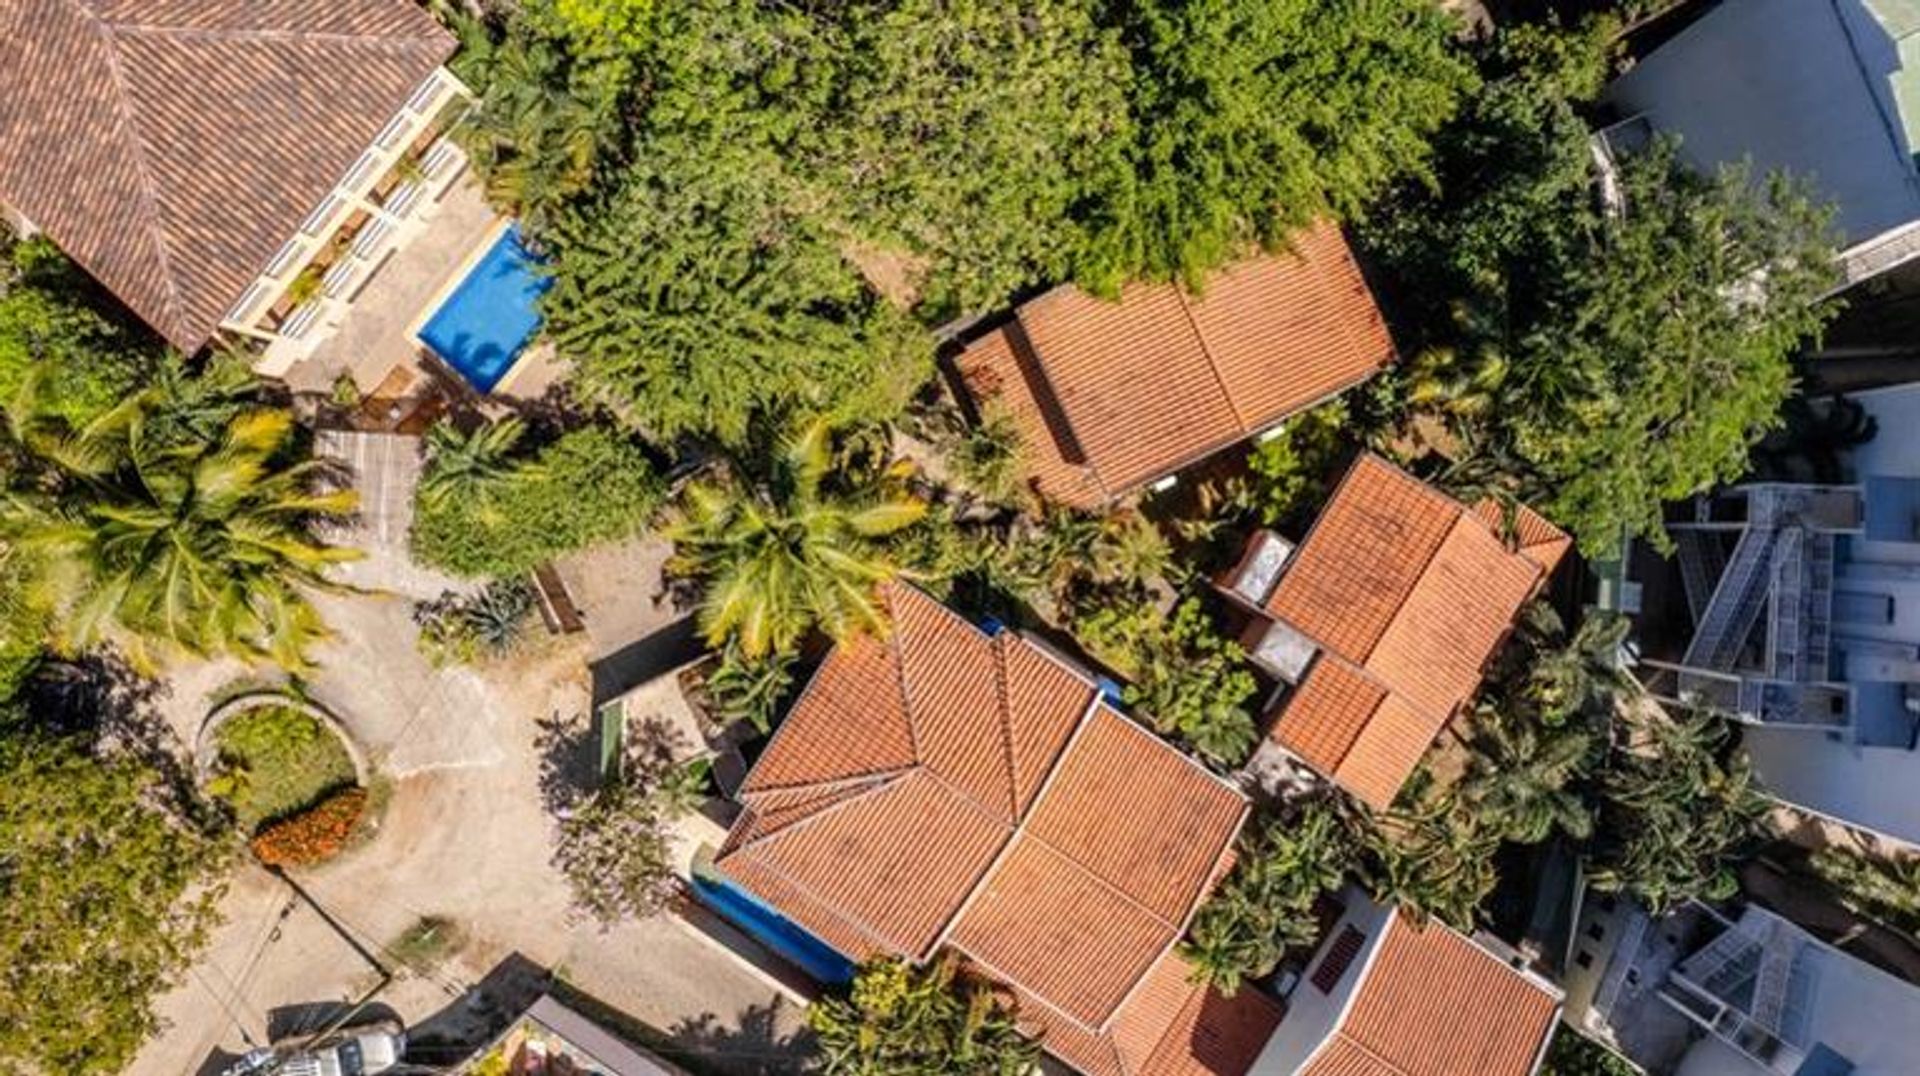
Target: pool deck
<point x="377" y="334"/>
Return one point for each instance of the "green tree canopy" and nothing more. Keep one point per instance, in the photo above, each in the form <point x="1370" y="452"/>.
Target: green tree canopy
<point x="1611" y="343"/>
<point x="483" y="509"/>
<point x="167" y="545"/>
<point x="101" y="902"/>
<point x="788" y="546"/>
<point x="1285" y="863"/>
<point x="967" y="132"/>
<point x="1254" y="118"/>
<point x="1678" y="812"/>
<point x="59" y="329"/>
<point x="904" y="1021"/>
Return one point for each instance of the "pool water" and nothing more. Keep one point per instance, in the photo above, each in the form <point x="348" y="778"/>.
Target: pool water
<point x="490" y="316"/>
<point x="786" y="938"/>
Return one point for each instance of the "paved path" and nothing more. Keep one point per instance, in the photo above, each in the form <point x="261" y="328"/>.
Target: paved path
<point x="465" y="836"/>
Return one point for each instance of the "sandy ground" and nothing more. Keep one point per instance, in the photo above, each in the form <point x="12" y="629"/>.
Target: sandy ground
<point x="464" y="835"/>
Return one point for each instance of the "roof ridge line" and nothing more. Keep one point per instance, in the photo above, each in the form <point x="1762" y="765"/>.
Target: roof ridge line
<point x="831" y="783"/>
<point x="1015" y="830"/>
<point x="1005" y="699"/>
<point x="899" y="653"/>
<point x="1213" y="364"/>
<point x="885" y="782"/>
<point x="155" y="224"/>
<point x="138" y="26"/>
<point x="1460" y="511"/>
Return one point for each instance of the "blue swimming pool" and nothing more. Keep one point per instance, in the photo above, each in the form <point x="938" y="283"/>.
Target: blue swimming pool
<point x="486" y="322"/>
<point x="775" y="931"/>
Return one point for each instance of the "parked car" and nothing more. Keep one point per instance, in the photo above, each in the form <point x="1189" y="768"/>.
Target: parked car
<point x="366" y="1050"/>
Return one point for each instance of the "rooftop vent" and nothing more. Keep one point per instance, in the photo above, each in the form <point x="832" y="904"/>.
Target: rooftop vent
<point x="1252" y="580"/>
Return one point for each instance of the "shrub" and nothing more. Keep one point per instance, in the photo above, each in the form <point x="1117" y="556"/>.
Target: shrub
<point x="468" y="630"/>
<point x="314" y="835"/>
<point x="743" y="688"/>
<point x="589" y="486"/>
<point x="1184" y="677"/>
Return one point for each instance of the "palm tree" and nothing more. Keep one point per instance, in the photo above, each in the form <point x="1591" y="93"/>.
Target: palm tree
<point x="1516" y="782"/>
<point x="463" y="466"/>
<point x="1266" y="905"/>
<point x="784" y="552"/>
<point x="1433" y="860"/>
<point x="197" y="549"/>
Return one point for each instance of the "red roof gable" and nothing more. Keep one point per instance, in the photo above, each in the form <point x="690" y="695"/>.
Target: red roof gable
<point x="1433" y="1003"/>
<point x="942" y="787"/>
<point x="1409" y="593"/>
<point x="1109" y="396"/>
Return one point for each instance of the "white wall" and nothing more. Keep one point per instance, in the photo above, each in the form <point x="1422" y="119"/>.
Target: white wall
<point x="1311" y="1016"/>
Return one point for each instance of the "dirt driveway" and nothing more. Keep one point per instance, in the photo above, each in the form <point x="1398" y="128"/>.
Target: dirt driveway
<point x="464" y="836"/>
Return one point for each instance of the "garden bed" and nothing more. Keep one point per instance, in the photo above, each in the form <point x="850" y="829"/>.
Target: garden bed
<point x="270" y="757"/>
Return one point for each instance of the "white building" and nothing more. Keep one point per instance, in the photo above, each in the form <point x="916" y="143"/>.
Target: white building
<point x="1701" y="994"/>
<point x="1828" y="90"/>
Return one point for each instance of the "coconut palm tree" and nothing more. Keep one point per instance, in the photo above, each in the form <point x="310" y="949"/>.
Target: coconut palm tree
<point x="784" y="551"/>
<point x="1284" y="863"/>
<point x="197" y="549"/>
<point x="1517" y="781"/>
<point x="463" y="466"/>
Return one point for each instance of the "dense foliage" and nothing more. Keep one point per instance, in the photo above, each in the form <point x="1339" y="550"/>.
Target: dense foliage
<point x="1182" y="676"/>
<point x="275" y="761"/>
<point x="1254" y="118"/>
<point x="1284" y="864"/>
<point x="1678" y="812"/>
<point x="102" y="902"/>
<point x="59" y="331"/>
<point x="1612" y="344"/>
<point x="898" y="1020"/>
<point x="791" y="542"/>
<point x="730" y="188"/>
<point x="510" y="512"/>
<point x="169" y="533"/>
<point x="1572" y="1054"/>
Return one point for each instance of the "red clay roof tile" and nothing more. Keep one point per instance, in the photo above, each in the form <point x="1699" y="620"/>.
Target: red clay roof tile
<point x="1045" y="837"/>
<point x="171" y="148"/>
<point x="1410" y="595"/>
<point x="1435" y="1004"/>
<point x="1109" y="396"/>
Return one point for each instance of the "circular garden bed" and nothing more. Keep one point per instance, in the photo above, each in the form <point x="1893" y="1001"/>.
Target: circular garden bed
<point x="285" y="769"/>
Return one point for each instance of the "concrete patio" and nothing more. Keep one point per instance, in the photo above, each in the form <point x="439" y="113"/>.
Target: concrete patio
<point x="375" y="338"/>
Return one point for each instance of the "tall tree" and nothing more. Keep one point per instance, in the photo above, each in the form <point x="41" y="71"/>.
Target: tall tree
<point x="904" y="1021"/>
<point x="1678" y="812"/>
<point x="101" y="903"/>
<point x="1285" y="863"/>
<point x="967" y="132"/>
<point x="1254" y="117"/>
<point x="169" y="548"/>
<point x="782" y="550"/>
<point x="1618" y="342"/>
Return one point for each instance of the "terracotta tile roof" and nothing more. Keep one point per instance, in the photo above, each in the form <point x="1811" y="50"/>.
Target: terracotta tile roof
<point x="172" y="146"/>
<point x="945" y="787"/>
<point x="1433" y="1003"/>
<point x="1170" y="1027"/>
<point x="1109" y="396"/>
<point x="1409" y="594"/>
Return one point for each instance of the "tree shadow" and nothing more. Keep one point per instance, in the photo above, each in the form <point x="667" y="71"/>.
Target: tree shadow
<point x="309" y="1020"/>
<point x="569" y="760"/>
<point x="477" y="1017"/>
<point x="758" y="1046"/>
<point x="101" y="700"/>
